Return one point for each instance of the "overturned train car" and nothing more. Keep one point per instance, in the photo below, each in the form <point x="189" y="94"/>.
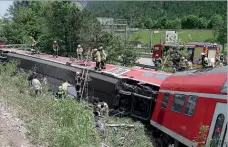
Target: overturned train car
<point x="122" y="88"/>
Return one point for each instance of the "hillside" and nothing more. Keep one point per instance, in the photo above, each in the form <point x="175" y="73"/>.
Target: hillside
<point x="155" y="14"/>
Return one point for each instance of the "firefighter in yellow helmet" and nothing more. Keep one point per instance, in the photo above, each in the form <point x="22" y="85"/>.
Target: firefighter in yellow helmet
<point x="103" y="57"/>
<point x="97" y="58"/>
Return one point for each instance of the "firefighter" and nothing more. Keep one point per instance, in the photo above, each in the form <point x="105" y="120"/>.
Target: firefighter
<point x="37" y="87"/>
<point x="101" y="109"/>
<point x="222" y="57"/>
<point x="157" y="62"/>
<point x="65" y="87"/>
<point x="32" y="43"/>
<point x="79" y="52"/>
<point x="55" y="49"/>
<point x="30" y="77"/>
<point x="78" y="84"/>
<point x="60" y="93"/>
<point x="203" y="60"/>
<point x="218" y="62"/>
<point x="103" y="57"/>
<point x="97" y="58"/>
<point x="188" y="64"/>
<point x="182" y="64"/>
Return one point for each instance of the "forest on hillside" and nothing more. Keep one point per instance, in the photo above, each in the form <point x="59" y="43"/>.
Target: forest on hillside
<point x="164" y="14"/>
<point x="63" y="22"/>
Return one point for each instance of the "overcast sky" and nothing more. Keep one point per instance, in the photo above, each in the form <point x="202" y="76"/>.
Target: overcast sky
<point x="4" y="5"/>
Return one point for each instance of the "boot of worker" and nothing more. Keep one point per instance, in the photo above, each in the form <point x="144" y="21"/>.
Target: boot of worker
<point x="103" y="65"/>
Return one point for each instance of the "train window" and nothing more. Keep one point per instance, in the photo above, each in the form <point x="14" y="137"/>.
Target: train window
<point x="165" y="100"/>
<point x="178" y="102"/>
<point x="161" y="76"/>
<point x="148" y="74"/>
<point x="217" y="130"/>
<point x="191" y="105"/>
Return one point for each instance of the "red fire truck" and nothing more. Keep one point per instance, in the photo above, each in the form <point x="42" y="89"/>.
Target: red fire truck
<point x="195" y="49"/>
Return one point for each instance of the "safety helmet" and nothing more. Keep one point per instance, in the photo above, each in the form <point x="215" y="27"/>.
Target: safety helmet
<point x="100" y="47"/>
<point x="185" y="60"/>
<point x="55" y="41"/>
<point x="95" y="50"/>
<point x="202" y="53"/>
<point x="156" y="55"/>
<point x="182" y="58"/>
<point x="78" y="73"/>
<point x="79" y="45"/>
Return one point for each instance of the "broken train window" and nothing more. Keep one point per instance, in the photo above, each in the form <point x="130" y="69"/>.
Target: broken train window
<point x="191" y="105"/>
<point x="178" y="102"/>
<point x="165" y="100"/>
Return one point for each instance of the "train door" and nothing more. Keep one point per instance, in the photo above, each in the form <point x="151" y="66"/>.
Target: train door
<point x="218" y="129"/>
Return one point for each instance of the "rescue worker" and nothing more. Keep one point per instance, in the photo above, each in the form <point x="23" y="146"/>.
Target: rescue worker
<point x="182" y="64"/>
<point x="55" y="49"/>
<point x="65" y="87"/>
<point x="45" y="82"/>
<point x="204" y="60"/>
<point x="37" y="87"/>
<point x="188" y="64"/>
<point x="60" y="93"/>
<point x="157" y="62"/>
<point x="30" y="77"/>
<point x="103" y="57"/>
<point x="97" y="58"/>
<point x="79" y="52"/>
<point x="32" y="42"/>
<point x="101" y="109"/>
<point x="78" y="84"/>
<point x="218" y="62"/>
<point x="222" y="58"/>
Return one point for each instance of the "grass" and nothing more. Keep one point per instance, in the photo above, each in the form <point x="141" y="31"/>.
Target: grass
<point x="62" y="123"/>
<point x="196" y="36"/>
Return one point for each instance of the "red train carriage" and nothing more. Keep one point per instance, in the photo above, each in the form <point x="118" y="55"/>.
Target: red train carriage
<point x="189" y="100"/>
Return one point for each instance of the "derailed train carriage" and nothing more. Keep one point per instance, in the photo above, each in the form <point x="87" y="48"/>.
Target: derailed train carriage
<point x="176" y="104"/>
<point x="133" y="90"/>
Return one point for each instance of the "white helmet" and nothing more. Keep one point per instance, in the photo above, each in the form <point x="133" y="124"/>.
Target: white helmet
<point x="55" y="41"/>
<point x="202" y="53"/>
<point x="95" y="49"/>
<point x="100" y="47"/>
<point x="79" y="45"/>
<point x="78" y="73"/>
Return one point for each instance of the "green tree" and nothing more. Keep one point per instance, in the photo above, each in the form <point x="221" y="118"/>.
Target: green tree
<point x="216" y="21"/>
<point x="190" y="22"/>
<point x="202" y="23"/>
<point x="222" y="36"/>
<point x="173" y="24"/>
<point x="117" y="53"/>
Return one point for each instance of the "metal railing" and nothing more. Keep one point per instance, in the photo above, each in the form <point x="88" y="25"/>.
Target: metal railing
<point x="16" y="46"/>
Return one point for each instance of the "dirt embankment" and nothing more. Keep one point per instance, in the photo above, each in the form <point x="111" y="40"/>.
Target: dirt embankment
<point x="12" y="130"/>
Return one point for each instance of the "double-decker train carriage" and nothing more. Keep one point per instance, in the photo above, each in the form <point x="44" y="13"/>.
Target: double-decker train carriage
<point x="177" y="105"/>
<point x="188" y="101"/>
